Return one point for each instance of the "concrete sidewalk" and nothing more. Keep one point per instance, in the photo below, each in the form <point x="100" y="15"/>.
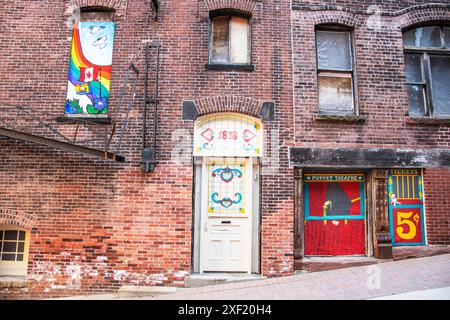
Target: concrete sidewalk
<point x="366" y="282"/>
<point x="430" y="294"/>
<point x="411" y="279"/>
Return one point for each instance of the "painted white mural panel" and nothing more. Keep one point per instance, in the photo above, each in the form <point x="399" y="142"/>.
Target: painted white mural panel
<point x="228" y="134"/>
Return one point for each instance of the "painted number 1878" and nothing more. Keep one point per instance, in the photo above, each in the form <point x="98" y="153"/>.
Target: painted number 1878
<point x="228" y="135"/>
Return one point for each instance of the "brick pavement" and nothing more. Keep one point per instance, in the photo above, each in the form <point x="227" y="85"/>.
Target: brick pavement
<point x="350" y="283"/>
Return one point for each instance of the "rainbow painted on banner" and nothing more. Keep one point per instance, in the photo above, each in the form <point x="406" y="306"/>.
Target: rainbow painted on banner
<point x="87" y="94"/>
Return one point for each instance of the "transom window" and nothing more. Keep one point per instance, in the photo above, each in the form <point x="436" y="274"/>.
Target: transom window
<point x="230" y="40"/>
<point x="13" y="250"/>
<point x="335" y="69"/>
<point x="427" y="66"/>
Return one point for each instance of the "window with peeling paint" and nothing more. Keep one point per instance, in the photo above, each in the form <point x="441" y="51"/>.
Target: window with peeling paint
<point x="335" y="71"/>
<point x="427" y="68"/>
<point x="230" y="43"/>
<point x="14" y="244"/>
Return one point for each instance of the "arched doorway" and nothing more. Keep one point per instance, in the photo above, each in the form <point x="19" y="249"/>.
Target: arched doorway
<point x="227" y="149"/>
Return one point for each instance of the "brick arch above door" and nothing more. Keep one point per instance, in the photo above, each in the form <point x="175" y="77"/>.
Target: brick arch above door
<point x="237" y="104"/>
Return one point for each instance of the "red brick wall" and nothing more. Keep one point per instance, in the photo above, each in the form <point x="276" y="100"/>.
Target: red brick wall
<point x="437" y="206"/>
<point x="98" y="225"/>
<point x="380" y="80"/>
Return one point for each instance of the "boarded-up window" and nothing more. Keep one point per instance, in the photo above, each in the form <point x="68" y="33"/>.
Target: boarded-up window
<point x="230" y="40"/>
<point x="427" y="67"/>
<point x="335" y="72"/>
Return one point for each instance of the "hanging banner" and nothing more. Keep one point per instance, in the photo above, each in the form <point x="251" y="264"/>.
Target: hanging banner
<point x="90" y="69"/>
<point x="231" y="135"/>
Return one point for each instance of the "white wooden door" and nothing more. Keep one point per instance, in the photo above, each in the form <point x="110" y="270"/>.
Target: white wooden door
<point x="226" y="218"/>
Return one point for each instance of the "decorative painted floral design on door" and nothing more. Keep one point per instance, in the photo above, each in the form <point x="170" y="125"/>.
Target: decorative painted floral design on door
<point x="90" y="69"/>
<point x="226" y="188"/>
<point x="227" y="174"/>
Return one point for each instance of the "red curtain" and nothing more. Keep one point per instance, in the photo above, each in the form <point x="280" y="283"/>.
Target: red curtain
<point x="317" y="197"/>
<point x="332" y="239"/>
<point x="352" y="191"/>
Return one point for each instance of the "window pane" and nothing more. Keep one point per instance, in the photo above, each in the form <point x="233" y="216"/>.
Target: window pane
<point x="19" y="257"/>
<point x="20" y="246"/>
<point x="8" y="257"/>
<point x="427" y="37"/>
<point x="11" y="235"/>
<point x="9" y="247"/>
<point x="409" y="38"/>
<point x="413" y="64"/>
<point x="1" y="235"/>
<point x="239" y="52"/>
<point x="335" y="95"/>
<point x="416" y="100"/>
<point x="334" y="50"/>
<point x="22" y="235"/>
<point x="440" y="84"/>
<point x="219" y="50"/>
<point x="447" y="37"/>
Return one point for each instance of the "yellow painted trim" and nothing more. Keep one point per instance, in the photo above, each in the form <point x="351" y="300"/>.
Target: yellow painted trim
<point x="407" y="185"/>
<point x="396" y="190"/>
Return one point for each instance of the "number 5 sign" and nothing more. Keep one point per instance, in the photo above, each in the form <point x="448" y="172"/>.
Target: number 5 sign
<point x="407" y="226"/>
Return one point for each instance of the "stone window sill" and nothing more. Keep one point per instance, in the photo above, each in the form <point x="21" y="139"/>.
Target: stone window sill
<point x="427" y="120"/>
<point x="230" y="67"/>
<point x="339" y="118"/>
<point x="13" y="282"/>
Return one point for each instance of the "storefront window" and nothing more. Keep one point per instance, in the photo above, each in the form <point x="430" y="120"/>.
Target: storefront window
<point x="334" y="214"/>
